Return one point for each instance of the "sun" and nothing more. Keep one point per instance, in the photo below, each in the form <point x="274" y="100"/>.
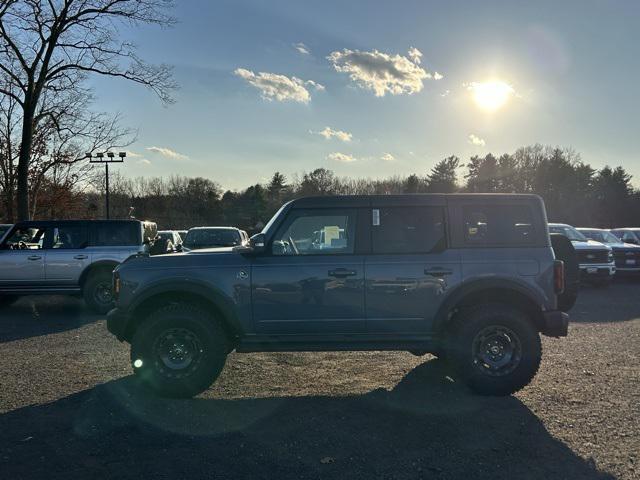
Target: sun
<point x="491" y="96"/>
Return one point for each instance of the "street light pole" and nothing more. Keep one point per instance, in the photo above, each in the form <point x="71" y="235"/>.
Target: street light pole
<point x="110" y="158"/>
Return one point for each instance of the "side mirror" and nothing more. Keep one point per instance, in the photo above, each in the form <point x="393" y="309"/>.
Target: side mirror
<point x="258" y="243"/>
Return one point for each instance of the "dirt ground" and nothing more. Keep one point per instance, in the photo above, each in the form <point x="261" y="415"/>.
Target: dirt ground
<point x="69" y="408"/>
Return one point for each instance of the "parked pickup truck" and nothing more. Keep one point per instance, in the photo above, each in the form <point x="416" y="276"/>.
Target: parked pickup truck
<point x="597" y="265"/>
<point x="471" y="278"/>
<point x="68" y="257"/>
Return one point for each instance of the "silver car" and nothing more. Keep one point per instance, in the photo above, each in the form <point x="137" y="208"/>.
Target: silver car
<point x="68" y="257"/>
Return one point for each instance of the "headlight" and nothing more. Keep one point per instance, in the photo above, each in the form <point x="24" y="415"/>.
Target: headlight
<point x="610" y="257"/>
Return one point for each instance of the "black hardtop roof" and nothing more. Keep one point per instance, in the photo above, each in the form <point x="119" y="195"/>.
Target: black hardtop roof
<point x="44" y="223"/>
<point x="405" y="199"/>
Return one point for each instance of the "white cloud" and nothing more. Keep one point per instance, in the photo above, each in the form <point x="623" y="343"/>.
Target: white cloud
<point x="387" y="157"/>
<point x="381" y="72"/>
<point x="279" y="87"/>
<point x="144" y="161"/>
<point x="438" y="76"/>
<point x="302" y="48"/>
<point x="330" y="133"/>
<point x="446" y="93"/>
<point x="131" y="154"/>
<point x="415" y="55"/>
<point x="168" y="153"/>
<point x="341" y="157"/>
<point x="477" y="141"/>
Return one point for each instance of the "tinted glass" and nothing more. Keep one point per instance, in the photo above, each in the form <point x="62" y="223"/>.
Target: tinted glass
<point x="310" y="232"/>
<point x="212" y="238"/>
<point x="498" y="225"/>
<point x="69" y="237"/>
<point x="408" y="230"/>
<point x="115" y="234"/>
<point x="569" y="232"/>
<point x="26" y="238"/>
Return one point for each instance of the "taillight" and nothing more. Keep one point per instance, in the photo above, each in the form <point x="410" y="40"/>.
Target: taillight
<point x="558" y="276"/>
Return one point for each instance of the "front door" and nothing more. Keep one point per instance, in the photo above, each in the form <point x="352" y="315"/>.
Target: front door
<point x="409" y="269"/>
<point x="22" y="258"/>
<point x="311" y="281"/>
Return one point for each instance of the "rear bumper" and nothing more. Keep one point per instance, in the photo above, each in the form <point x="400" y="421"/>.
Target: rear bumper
<point x="556" y="323"/>
<point x="117" y="322"/>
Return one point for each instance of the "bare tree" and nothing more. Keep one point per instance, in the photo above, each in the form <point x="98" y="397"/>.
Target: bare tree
<point x="50" y="47"/>
<point x="59" y="143"/>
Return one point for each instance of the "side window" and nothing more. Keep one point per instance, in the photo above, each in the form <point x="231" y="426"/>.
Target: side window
<point x="25" y="238"/>
<point x="69" y="237"/>
<point x="408" y="230"/>
<point x="498" y="225"/>
<point x="315" y="232"/>
<point x="629" y="237"/>
<point x="115" y="234"/>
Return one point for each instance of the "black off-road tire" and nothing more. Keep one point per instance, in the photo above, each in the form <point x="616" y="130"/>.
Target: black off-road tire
<point x="191" y="330"/>
<point x="470" y="329"/>
<point x="97" y="291"/>
<point x="6" y="300"/>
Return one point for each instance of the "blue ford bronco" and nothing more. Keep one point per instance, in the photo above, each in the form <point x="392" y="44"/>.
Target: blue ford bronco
<point x="471" y="278"/>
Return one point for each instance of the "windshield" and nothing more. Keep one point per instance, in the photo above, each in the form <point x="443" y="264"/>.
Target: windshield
<point x="197" y="239"/>
<point x="4" y="229"/>
<point x="569" y="232"/>
<point x="600" y="236"/>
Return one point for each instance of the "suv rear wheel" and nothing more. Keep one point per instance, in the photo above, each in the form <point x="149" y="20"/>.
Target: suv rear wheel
<point x="495" y="349"/>
<point x="98" y="293"/>
<point x="179" y="350"/>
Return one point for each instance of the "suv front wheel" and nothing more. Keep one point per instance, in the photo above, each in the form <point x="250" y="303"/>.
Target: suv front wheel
<point x="179" y="350"/>
<point x="495" y="349"/>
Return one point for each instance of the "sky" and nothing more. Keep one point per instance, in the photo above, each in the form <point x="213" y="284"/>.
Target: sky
<point x="380" y="88"/>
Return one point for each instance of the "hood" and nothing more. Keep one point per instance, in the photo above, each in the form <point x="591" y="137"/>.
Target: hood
<point x="589" y="245"/>
<point x="623" y="245"/>
<point x="212" y="257"/>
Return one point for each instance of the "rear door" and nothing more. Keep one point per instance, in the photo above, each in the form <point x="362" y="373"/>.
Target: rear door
<point x="67" y="254"/>
<point x="311" y="281"/>
<point x="410" y="266"/>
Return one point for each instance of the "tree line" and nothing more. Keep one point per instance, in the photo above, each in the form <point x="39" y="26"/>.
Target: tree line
<point x="573" y="191"/>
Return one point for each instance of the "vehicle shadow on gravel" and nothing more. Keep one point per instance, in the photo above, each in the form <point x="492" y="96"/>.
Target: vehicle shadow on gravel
<point x="426" y="427"/>
<point x="43" y="315"/>
<point x="615" y="303"/>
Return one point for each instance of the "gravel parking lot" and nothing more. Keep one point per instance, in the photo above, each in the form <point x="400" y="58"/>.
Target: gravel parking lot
<point x="69" y="408"/>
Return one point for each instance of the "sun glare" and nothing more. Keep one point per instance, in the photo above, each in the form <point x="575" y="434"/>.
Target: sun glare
<point x="492" y="95"/>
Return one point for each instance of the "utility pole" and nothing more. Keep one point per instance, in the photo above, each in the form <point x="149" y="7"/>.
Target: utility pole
<point x="106" y="160"/>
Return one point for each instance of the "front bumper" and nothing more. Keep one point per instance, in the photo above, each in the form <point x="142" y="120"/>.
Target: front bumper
<point x="597" y="270"/>
<point x="117" y="322"/>
<point x="556" y="323"/>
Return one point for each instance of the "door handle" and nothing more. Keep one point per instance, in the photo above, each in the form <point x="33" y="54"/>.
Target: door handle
<point x="438" y="272"/>
<point x="341" y="273"/>
<point x="34" y="257"/>
<point x="81" y="257"/>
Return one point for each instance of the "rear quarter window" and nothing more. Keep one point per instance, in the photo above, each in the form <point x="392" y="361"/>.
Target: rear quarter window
<point x="115" y="234"/>
<point x="498" y="225"/>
